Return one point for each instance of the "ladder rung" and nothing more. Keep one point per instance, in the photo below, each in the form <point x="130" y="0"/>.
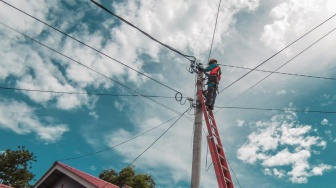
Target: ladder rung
<point x="216" y="136"/>
<point x="213" y="126"/>
<point x="227" y="180"/>
<point x="211" y="118"/>
<point x="218" y="146"/>
<point x="225" y="169"/>
<point x="221" y="157"/>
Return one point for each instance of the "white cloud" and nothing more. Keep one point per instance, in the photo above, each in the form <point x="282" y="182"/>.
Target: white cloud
<point x="275" y="172"/>
<point x="159" y="155"/>
<point x="240" y="123"/>
<point x="281" y="92"/>
<point x="93" y="168"/>
<point x="282" y="142"/>
<point x="34" y="68"/>
<point x="46" y="76"/>
<point x="273" y="35"/>
<point x="38" y="8"/>
<point x="94" y="115"/>
<point x="324" y="122"/>
<point x="331" y="5"/>
<point x="318" y="170"/>
<point x="279" y="173"/>
<point x="21" y="119"/>
<point x="119" y="106"/>
<point x="327" y="99"/>
<point x="168" y="21"/>
<point x="293" y="18"/>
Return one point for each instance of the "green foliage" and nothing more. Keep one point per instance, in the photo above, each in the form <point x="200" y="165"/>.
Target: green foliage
<point x="15" y="166"/>
<point x="128" y="177"/>
<point x="109" y="175"/>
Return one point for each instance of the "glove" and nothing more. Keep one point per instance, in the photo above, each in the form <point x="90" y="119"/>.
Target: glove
<point x="200" y="69"/>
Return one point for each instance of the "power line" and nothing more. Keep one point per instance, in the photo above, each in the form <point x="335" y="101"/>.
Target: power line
<point x="213" y="35"/>
<point x="81" y="93"/>
<point x="165" y="106"/>
<point x="121" y="143"/>
<point x="277" y="53"/>
<point x="282" y="65"/>
<point x="276" y="109"/>
<point x="159" y="137"/>
<point x="62" y="32"/>
<point x="207" y="168"/>
<point x="283" y="73"/>
<point x="190" y="58"/>
<point x="233" y="172"/>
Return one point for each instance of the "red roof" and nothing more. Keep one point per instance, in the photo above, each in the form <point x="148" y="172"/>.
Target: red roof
<point x="93" y="180"/>
<point x="5" y="186"/>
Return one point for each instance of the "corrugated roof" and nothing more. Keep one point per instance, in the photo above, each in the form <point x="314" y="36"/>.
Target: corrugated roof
<point x="5" y="186"/>
<point x="93" y="180"/>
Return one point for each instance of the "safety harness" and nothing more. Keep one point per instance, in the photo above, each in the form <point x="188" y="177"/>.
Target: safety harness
<point x="215" y="76"/>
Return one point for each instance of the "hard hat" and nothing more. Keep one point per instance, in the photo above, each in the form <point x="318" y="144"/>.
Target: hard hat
<point x="212" y="60"/>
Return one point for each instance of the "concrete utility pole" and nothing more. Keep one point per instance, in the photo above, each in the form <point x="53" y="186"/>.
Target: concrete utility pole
<point x="197" y="143"/>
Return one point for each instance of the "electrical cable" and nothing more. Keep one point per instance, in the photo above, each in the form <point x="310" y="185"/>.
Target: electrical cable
<point x="277" y="53"/>
<point x="159" y="137"/>
<point x="208" y="167"/>
<point x="81" y="93"/>
<point x="233" y="172"/>
<point x="62" y="32"/>
<point x="282" y="65"/>
<point x="276" y="109"/>
<point x="213" y="35"/>
<point x="121" y="143"/>
<point x="165" y="106"/>
<point x="190" y="58"/>
<point x="283" y="73"/>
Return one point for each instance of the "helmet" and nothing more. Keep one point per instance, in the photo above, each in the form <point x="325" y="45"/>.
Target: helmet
<point x="212" y="60"/>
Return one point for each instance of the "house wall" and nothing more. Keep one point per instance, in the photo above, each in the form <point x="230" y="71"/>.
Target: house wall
<point x="67" y="182"/>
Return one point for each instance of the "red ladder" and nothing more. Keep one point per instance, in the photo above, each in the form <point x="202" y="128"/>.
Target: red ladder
<point x="216" y="148"/>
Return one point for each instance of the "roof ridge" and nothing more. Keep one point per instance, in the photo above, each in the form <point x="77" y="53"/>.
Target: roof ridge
<point x="4" y="186"/>
<point x="79" y="171"/>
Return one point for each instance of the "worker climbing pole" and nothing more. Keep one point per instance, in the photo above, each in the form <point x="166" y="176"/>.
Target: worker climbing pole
<point x="213" y="80"/>
<point x="205" y="103"/>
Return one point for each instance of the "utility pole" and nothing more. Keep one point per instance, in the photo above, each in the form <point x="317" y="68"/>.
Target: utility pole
<point x="197" y="142"/>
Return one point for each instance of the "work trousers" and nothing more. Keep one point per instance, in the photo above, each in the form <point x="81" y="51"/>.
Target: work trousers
<point x="211" y="96"/>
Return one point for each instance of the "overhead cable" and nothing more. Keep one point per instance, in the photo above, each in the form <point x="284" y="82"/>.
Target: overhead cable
<point x="208" y="167"/>
<point x="213" y="35"/>
<point x="62" y="32"/>
<point x="121" y="143"/>
<point x="277" y="53"/>
<point x="233" y="172"/>
<point x="283" y="73"/>
<point x="81" y="93"/>
<point x="276" y="109"/>
<point x="190" y="58"/>
<point x="159" y="137"/>
<point x="127" y="87"/>
<point x="282" y="65"/>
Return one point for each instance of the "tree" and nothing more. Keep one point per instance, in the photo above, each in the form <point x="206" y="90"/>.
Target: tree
<point x="15" y="166"/>
<point x="128" y="177"/>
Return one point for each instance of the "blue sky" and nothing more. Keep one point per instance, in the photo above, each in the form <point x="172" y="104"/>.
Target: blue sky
<point x="264" y="148"/>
